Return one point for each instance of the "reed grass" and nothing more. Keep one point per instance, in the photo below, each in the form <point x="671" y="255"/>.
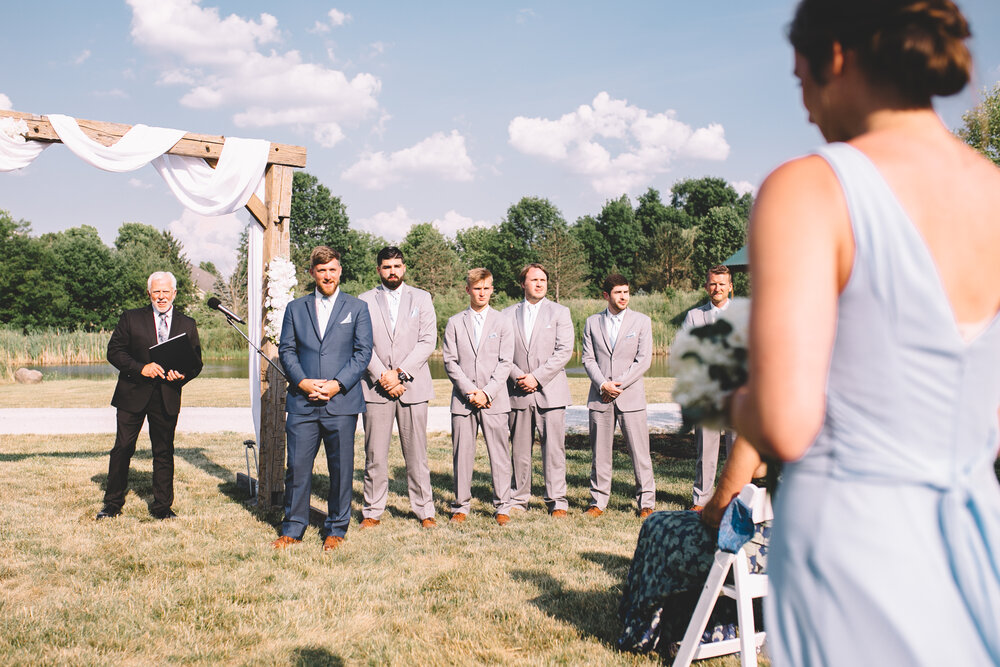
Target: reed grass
<point x="207" y="589"/>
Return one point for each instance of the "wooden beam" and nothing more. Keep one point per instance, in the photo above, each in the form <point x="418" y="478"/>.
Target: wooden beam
<point x="257" y="209"/>
<point x="191" y="145"/>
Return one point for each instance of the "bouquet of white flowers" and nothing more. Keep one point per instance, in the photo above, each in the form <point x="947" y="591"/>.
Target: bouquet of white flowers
<point x="710" y="363"/>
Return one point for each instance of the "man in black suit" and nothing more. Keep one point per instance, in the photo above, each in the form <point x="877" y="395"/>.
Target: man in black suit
<point x="146" y="390"/>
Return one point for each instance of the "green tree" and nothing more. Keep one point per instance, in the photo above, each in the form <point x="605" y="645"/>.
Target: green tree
<point x="495" y="248"/>
<point x="320" y="218"/>
<point x="141" y="250"/>
<point x="30" y="290"/>
<point x="93" y="279"/>
<point x="697" y="196"/>
<point x="721" y="233"/>
<point x="613" y="241"/>
<point x="431" y="262"/>
<point x="562" y="256"/>
<point x="981" y="125"/>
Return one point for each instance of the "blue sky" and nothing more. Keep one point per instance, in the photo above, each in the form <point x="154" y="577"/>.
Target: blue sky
<point x="444" y="112"/>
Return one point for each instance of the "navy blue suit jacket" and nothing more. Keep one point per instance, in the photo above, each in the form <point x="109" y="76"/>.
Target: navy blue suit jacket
<point x="343" y="353"/>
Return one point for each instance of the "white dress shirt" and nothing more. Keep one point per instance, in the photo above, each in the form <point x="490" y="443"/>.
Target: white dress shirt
<point x="530" y="315"/>
<point x="324" y="308"/>
<point x="612" y="324"/>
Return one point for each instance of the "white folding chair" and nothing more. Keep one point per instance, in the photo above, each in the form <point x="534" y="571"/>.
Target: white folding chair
<point x="745" y="587"/>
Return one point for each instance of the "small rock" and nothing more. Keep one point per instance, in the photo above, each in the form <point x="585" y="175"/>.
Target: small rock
<point x="27" y="376"/>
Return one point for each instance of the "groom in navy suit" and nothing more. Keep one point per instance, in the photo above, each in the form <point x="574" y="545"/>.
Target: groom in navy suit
<point x="326" y="344"/>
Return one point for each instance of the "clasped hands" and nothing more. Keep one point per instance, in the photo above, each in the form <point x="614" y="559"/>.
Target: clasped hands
<point x="478" y="399"/>
<point x="526" y="383"/>
<point x="391" y="383"/>
<point x="154" y="370"/>
<point x="319" y="390"/>
<point x="610" y="390"/>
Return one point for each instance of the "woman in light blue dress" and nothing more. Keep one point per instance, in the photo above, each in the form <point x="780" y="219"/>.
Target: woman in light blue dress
<point x="875" y="352"/>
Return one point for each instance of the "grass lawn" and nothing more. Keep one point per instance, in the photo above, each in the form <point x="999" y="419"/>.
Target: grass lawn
<point x="232" y="393"/>
<point x="207" y="588"/>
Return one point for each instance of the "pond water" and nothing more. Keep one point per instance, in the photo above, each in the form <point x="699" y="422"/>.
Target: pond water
<point x="238" y="369"/>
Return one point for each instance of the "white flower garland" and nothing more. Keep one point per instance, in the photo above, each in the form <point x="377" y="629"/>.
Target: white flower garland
<point x="281" y="281"/>
<point x="710" y="363"/>
<point x="15" y="128"/>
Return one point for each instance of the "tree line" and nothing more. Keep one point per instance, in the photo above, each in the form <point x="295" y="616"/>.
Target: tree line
<point x="71" y="280"/>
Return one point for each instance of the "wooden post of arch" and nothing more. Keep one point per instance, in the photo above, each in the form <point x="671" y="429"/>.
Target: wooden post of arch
<point x="273" y="215"/>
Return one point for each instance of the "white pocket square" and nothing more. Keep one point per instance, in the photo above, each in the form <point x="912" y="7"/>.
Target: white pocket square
<point x="631" y="335"/>
<point x="493" y="335"/>
<point x="347" y="320"/>
<point x="415" y="312"/>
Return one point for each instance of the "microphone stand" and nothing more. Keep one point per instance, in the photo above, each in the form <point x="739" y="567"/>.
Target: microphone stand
<point x="264" y="356"/>
<point x="252" y="484"/>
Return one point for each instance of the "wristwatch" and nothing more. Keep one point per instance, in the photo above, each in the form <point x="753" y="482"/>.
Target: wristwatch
<point x="403" y="375"/>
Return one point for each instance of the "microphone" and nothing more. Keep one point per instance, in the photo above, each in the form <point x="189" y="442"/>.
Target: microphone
<point x="217" y="305"/>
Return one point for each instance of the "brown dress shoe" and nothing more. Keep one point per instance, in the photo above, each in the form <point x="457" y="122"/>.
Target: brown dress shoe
<point x="594" y="511"/>
<point x="645" y="511"/>
<point x="558" y="514"/>
<point x="284" y="541"/>
<point x="459" y="517"/>
<point x="369" y="522"/>
<point x="428" y="523"/>
<point x="332" y="542"/>
<point x="503" y="519"/>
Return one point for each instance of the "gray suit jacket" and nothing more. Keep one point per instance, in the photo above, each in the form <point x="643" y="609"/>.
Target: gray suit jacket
<point x="699" y="317"/>
<point x="407" y="347"/>
<point x="545" y="357"/>
<point x="627" y="363"/>
<point x="485" y="368"/>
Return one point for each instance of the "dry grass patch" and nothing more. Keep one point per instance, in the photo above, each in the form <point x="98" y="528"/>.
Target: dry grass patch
<point x="206" y="588"/>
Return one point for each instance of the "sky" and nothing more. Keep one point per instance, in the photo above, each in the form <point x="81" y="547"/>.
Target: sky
<point x="442" y="112"/>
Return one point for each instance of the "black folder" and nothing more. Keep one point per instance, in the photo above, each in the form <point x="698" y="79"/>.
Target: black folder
<point x="175" y="354"/>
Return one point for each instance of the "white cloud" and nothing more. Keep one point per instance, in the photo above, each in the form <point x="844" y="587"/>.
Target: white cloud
<point x="523" y="15"/>
<point x="582" y="142"/>
<point x="440" y="155"/>
<point x="319" y="27"/>
<point x="395" y="224"/>
<point x="233" y="70"/>
<point x="209" y="238"/>
<point x="338" y="18"/>
<point x="80" y="59"/>
<point x="743" y="187"/>
<point x="390" y="225"/>
<point x="452" y="221"/>
<point x="139" y="183"/>
<point x="5" y="103"/>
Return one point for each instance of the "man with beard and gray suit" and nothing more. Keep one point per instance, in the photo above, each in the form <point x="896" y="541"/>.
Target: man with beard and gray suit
<point x="719" y="286"/>
<point x="477" y="349"/>
<point x="398" y="386"/>
<point x="539" y="390"/>
<point x="617" y="350"/>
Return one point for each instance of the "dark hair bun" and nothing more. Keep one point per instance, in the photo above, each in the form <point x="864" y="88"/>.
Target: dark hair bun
<point x="921" y="49"/>
<point x="915" y="46"/>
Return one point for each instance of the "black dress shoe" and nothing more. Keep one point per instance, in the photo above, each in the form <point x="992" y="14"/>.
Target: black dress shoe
<point x="164" y="514"/>
<point x="108" y="512"/>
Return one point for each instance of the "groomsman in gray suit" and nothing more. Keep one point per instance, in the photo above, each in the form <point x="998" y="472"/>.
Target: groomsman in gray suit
<point x="539" y="391"/>
<point x="719" y="286"/>
<point x="617" y="349"/>
<point x="478" y="346"/>
<point x="397" y="385"/>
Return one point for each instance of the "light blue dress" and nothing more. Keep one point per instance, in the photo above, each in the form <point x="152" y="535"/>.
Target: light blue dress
<point x="886" y="541"/>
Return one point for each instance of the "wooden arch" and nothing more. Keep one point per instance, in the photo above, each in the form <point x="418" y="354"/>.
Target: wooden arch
<point x="273" y="215"/>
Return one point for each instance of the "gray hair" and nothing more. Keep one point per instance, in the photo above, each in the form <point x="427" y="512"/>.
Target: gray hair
<point x="161" y="274"/>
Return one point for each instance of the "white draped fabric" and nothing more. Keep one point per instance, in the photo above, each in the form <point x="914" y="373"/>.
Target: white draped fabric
<point x="200" y="188"/>
<point x="135" y="150"/>
<point x="15" y="152"/>
<point x="255" y="259"/>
